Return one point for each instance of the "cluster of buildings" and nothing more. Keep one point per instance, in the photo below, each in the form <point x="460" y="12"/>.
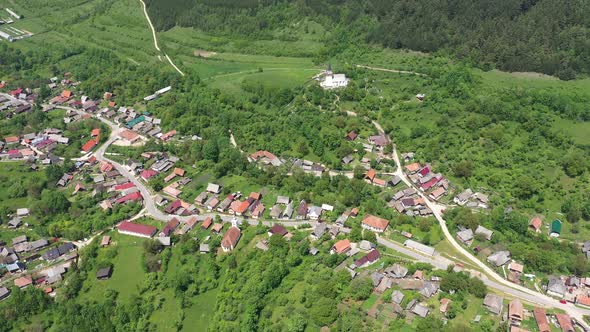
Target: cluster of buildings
<point x="473" y="200"/>
<point x="408" y="202"/>
<point x="119" y="189"/>
<point x="14" y="259"/>
<point x="571" y="289"/>
<point x="433" y="184"/>
<point x="329" y="80"/>
<point x="16" y="102"/>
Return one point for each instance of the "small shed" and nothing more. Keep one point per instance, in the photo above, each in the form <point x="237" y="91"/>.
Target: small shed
<point x="104" y="273"/>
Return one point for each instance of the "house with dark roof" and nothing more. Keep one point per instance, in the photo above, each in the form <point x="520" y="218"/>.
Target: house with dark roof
<point x="368" y="259"/>
<point x="104" y="273"/>
<point x="493" y="303"/>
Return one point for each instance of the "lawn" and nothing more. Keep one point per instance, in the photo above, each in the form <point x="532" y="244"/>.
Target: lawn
<point x="197" y="316"/>
<point x="128" y="272"/>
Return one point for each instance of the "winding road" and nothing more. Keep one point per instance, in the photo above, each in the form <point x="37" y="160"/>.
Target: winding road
<point x="489" y="277"/>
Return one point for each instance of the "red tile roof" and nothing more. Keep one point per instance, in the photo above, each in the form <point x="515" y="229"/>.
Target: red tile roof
<point x="243" y="207"/>
<point x="565" y="322"/>
<point x="88" y="146"/>
<point x="413" y="167"/>
<point x="136" y="196"/>
<point x="369" y="258"/>
<point x="170" y="226"/>
<point x="255" y="195"/>
<point x="583" y="300"/>
<point x="147" y="174"/>
<point x="146" y="230"/>
<point x="376" y="222"/>
<point x="124" y="186"/>
<point x="66" y="94"/>
<point x="278" y="229"/>
<point x="207" y="223"/>
<point x="341" y="246"/>
<point x="95" y="132"/>
<point x="541" y="318"/>
<point x="536" y="223"/>
<point x="231" y="238"/>
<point x="11" y="139"/>
<point x="371" y="174"/>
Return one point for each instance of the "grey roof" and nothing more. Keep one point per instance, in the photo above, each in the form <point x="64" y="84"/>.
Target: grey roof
<point x="275" y="212"/>
<point x="429" y="289"/>
<point x="313" y="251"/>
<point x="14" y="222"/>
<point x="420" y="247"/>
<point x="421" y="310"/>
<point x="288" y="213"/>
<point x="366" y="245"/>
<point x="494" y="303"/>
<point x="395" y="180"/>
<point x="315" y="211"/>
<point x="204" y="247"/>
<point x="465" y="235"/>
<point x="484" y="231"/>
<point x="214" y="188"/>
<point x="465" y="195"/>
<point x="283" y="200"/>
<point x="557" y="286"/>
<point x="19" y="239"/>
<point x="36" y="245"/>
<point x="586" y="246"/>
<point x="396" y="271"/>
<point x="347" y="159"/>
<point x="397" y="297"/>
<point x="4" y="292"/>
<point x="499" y="258"/>
<point x="376" y="277"/>
<point x="319" y="230"/>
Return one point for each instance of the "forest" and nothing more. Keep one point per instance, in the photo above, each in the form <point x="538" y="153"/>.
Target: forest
<point x="547" y="36"/>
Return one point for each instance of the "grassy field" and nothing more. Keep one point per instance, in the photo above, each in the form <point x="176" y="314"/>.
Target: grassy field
<point x="128" y="272"/>
<point x="196" y="317"/>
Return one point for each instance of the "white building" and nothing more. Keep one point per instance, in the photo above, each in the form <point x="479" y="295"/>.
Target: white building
<point x="333" y="81"/>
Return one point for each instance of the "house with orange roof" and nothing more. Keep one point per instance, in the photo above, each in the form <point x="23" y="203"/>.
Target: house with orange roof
<point x="341" y="247"/>
<point x="11" y="139"/>
<point x="370" y="175"/>
<point x="66" y="94"/>
<point x="207" y="223"/>
<point x="255" y="196"/>
<point x="242" y="208"/>
<point x="444" y="305"/>
<point x="230" y="239"/>
<point x="129" y="136"/>
<point x="88" y="146"/>
<point x="535" y="224"/>
<point x="95" y="132"/>
<point x="375" y="224"/>
<point x="413" y="167"/>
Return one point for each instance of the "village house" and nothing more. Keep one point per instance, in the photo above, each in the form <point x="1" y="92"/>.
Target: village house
<point x="329" y="80"/>
<point x="374" y="223"/>
<point x="230" y="239"/>
<point x="341" y="247"/>
<point x="213" y="188"/>
<point x="493" y="303"/>
<point x="541" y="319"/>
<point x="169" y="227"/>
<point x="556" y="287"/>
<point x="23" y="282"/>
<point x="515" y="312"/>
<point x="486" y="233"/>
<point x="499" y="258"/>
<point x="4" y="293"/>
<point x="535" y="224"/>
<point x="565" y="322"/>
<point x="465" y="236"/>
<point x="368" y="259"/>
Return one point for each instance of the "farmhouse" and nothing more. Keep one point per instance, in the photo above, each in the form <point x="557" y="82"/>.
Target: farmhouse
<point x="375" y="224"/>
<point x="515" y="312"/>
<point x="535" y="224"/>
<point x="493" y="303"/>
<point x="541" y="319"/>
<point x="140" y="230"/>
<point x="341" y="247"/>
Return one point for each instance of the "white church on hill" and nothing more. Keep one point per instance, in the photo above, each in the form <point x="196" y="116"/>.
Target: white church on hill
<point x="328" y="80"/>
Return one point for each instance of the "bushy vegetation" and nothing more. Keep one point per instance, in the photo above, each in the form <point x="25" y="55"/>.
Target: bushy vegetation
<point x="515" y="35"/>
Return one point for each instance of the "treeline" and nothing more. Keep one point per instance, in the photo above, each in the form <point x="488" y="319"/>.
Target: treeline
<point x="549" y="36"/>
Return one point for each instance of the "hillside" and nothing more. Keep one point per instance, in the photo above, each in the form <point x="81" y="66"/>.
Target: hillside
<point x="547" y="36"/>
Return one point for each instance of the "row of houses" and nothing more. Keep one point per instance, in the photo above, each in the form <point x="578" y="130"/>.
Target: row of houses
<point x="433" y="184"/>
<point x="409" y="202"/>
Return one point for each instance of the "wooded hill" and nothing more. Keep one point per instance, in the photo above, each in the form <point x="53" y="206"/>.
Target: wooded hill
<point x="548" y="36"/>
